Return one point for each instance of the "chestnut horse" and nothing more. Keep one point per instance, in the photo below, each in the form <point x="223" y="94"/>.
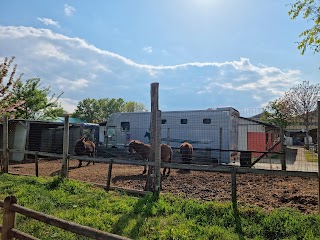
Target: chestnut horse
<point x="143" y="150"/>
<point x="83" y="148"/>
<point x="186" y="151"/>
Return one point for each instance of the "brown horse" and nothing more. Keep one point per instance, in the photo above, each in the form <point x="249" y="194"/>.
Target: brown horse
<point x="186" y="152"/>
<point x="166" y="156"/>
<point x="144" y="151"/>
<point x="83" y="148"/>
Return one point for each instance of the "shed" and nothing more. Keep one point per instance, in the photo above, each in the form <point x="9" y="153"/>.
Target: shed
<point x="44" y="136"/>
<point x="257" y="136"/>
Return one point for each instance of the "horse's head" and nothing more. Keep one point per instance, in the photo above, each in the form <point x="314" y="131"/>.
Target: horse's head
<point x="186" y="151"/>
<point x="131" y="146"/>
<point x="80" y="148"/>
<point x="147" y="134"/>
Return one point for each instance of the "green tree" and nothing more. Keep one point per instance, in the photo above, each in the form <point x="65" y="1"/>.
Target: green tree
<point x="8" y="102"/>
<point x="99" y="110"/>
<point x="277" y="112"/>
<point x="302" y="101"/>
<point x="309" y="10"/>
<point x="37" y="103"/>
<point x="133" y="107"/>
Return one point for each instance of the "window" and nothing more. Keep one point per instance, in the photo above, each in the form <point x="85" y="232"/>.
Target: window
<point x="125" y="126"/>
<point x="183" y="121"/>
<point x="206" y="120"/>
<point x="163" y="121"/>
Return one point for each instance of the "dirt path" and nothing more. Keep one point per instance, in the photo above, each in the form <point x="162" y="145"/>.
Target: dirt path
<point x="268" y="192"/>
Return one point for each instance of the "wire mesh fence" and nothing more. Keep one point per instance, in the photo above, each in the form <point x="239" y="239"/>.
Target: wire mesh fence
<point x="219" y="137"/>
<point x="222" y="136"/>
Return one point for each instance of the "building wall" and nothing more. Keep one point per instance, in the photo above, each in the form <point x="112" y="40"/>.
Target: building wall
<point x="256" y="142"/>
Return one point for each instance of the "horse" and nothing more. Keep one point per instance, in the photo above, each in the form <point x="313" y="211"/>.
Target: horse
<point x="166" y="156"/>
<point x="143" y="150"/>
<point x="186" y="152"/>
<point x="83" y="148"/>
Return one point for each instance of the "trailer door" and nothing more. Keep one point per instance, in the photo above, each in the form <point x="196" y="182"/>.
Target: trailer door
<point x="111" y="137"/>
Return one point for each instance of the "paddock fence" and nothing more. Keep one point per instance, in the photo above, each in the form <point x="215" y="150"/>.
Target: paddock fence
<point x="8" y="230"/>
<point x="236" y="144"/>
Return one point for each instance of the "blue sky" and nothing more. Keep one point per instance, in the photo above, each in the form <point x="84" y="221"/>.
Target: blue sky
<point x="203" y="53"/>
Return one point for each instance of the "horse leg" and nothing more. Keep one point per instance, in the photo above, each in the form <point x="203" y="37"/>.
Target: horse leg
<point x="80" y="163"/>
<point x="88" y="163"/>
<point x="93" y="155"/>
<point x="145" y="169"/>
<point x="164" y="171"/>
<point x="169" y="161"/>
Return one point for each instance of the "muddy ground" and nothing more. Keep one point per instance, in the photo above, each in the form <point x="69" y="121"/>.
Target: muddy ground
<point x="268" y="192"/>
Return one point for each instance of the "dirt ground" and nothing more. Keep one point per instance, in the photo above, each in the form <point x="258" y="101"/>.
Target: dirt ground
<point x="268" y="192"/>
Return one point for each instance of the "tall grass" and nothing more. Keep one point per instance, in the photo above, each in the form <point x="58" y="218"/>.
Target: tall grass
<point x="149" y="217"/>
<point x="310" y="156"/>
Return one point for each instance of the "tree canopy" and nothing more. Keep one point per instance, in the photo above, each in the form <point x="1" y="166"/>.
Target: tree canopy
<point x="8" y="102"/>
<point x="98" y="110"/>
<point x="302" y="102"/>
<point x="298" y="104"/>
<point x="277" y="112"/>
<point x="38" y="104"/>
<point x="309" y="10"/>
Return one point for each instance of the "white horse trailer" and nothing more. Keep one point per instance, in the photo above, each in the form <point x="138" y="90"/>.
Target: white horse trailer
<point x="209" y="130"/>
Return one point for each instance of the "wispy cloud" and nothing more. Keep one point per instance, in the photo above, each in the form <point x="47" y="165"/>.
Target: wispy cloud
<point x="82" y="70"/>
<point x="73" y="85"/>
<point x="69" y="10"/>
<point x="147" y="49"/>
<point x="48" y="21"/>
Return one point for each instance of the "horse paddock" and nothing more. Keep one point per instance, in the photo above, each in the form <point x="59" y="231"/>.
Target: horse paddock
<point x="265" y="191"/>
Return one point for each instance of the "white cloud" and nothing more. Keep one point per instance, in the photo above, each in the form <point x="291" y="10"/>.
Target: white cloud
<point x="48" y="50"/>
<point x="72" y="85"/>
<point x="244" y="76"/>
<point x="147" y="49"/>
<point x="68" y="104"/>
<point x="82" y="70"/>
<point x="69" y="10"/>
<point x="48" y="21"/>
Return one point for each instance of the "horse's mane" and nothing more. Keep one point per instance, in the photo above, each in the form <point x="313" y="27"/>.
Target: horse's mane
<point x="137" y="142"/>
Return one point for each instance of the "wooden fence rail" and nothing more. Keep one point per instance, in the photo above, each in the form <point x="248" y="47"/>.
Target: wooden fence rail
<point x="231" y="169"/>
<point x="11" y="207"/>
<point x="194" y="167"/>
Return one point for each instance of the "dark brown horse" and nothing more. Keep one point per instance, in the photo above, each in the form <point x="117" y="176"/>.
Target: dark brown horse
<point x="85" y="148"/>
<point x="144" y="151"/>
<point x="186" y="152"/>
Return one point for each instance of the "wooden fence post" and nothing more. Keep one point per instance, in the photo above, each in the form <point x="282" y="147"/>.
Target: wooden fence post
<point x="318" y="141"/>
<point x="283" y="150"/>
<point x="109" y="175"/>
<point x="220" y="146"/>
<point x="155" y="136"/>
<point x="37" y="164"/>
<point x="65" y="153"/>
<point x="5" y="147"/>
<point x="9" y="218"/>
<point x="27" y="139"/>
<point x="234" y="187"/>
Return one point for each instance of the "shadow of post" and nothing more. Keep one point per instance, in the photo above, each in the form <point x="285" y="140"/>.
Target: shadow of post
<point x="237" y="219"/>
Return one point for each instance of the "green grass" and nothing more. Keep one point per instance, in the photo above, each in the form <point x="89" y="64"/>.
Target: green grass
<point x="310" y="156"/>
<point x="149" y="217"/>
